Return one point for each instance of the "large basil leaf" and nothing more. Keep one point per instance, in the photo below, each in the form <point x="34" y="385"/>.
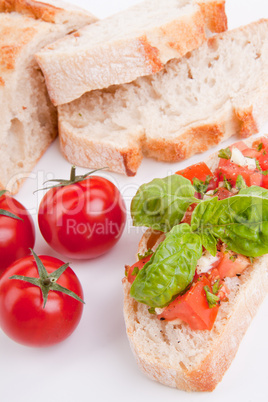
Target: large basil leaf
<point x="254" y="190"/>
<point x="162" y="203"/>
<point x="240" y="221"/>
<point x="170" y="270"/>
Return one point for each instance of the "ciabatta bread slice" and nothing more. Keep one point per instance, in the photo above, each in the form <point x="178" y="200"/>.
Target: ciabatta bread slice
<point x="28" y="120"/>
<point x="214" y="92"/>
<point x="127" y="45"/>
<point x="189" y="360"/>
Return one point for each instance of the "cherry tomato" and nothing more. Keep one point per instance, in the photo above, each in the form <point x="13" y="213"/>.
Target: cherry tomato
<point x="23" y="316"/>
<point x="84" y="219"/>
<point x="17" y="236"/>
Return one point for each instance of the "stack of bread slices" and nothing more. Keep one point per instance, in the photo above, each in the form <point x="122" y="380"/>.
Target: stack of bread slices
<point x="152" y="80"/>
<point x="136" y="42"/>
<point x="148" y="81"/>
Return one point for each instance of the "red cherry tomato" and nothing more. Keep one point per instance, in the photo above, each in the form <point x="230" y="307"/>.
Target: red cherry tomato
<point x="82" y="220"/>
<point x="17" y="236"/>
<point x="23" y="316"/>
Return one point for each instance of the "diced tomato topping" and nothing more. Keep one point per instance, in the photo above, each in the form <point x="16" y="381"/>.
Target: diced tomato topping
<point x="232" y="264"/>
<point x="239" y="145"/>
<point x="188" y="214"/>
<point x="263" y="141"/>
<point x="231" y="171"/>
<point x="251" y="153"/>
<point x="214" y="276"/>
<point x="264" y="183"/>
<point x="223" y="193"/>
<point x="192" y="307"/>
<point x="139" y="264"/>
<point x="261" y="154"/>
<point x="199" y="171"/>
<point x="263" y="159"/>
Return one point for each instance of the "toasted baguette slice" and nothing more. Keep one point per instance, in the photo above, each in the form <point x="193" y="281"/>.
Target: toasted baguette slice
<point x="28" y="120"/>
<point x="183" y="358"/>
<point x="214" y="92"/>
<point x="189" y="360"/>
<point x="130" y="44"/>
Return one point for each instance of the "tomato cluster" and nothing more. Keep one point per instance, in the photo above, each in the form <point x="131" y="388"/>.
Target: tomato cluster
<point x="41" y="298"/>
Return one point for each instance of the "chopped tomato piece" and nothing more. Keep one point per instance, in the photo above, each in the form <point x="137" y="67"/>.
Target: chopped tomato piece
<point x="263" y="141"/>
<point x="232" y="264"/>
<point x="251" y="153"/>
<point x="214" y="276"/>
<point x="264" y="181"/>
<point x="231" y="171"/>
<point x="138" y="265"/>
<point x="263" y="159"/>
<point x="188" y="214"/>
<point x="262" y="154"/>
<point x="199" y="171"/>
<point x="239" y="145"/>
<point x="223" y="193"/>
<point x="192" y="307"/>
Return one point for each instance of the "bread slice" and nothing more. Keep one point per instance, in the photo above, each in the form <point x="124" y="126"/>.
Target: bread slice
<point x="214" y="92"/>
<point x="127" y="45"/>
<point x="28" y="120"/>
<point x="189" y="360"/>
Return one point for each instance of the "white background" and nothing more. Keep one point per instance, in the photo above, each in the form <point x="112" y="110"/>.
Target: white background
<point x="96" y="363"/>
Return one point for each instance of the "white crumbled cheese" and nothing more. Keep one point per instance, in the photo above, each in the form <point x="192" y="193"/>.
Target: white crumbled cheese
<point x="251" y="163"/>
<point x="208" y="195"/>
<point x="239" y="159"/>
<point x="205" y="263"/>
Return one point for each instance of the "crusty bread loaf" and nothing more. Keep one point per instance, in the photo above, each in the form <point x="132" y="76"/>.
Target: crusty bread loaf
<point x="192" y="360"/>
<point x="28" y="120"/>
<point x="217" y="90"/>
<point x="127" y="45"/>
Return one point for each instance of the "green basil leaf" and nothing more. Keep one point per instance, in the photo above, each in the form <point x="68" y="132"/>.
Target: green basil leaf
<point x="240" y="221"/>
<point x="209" y="241"/>
<point x="258" y="166"/>
<point x="226" y="183"/>
<point x="201" y="223"/>
<point x="170" y="270"/>
<point x="260" y="146"/>
<point x="211" y="298"/>
<point x="225" y="153"/>
<point x="201" y="186"/>
<point x="240" y="183"/>
<point x="162" y="203"/>
<point x="254" y="190"/>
